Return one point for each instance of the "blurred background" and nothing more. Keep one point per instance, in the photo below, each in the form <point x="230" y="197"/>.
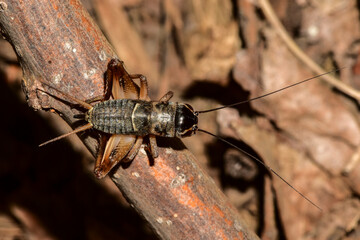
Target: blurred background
<point x="209" y="53"/>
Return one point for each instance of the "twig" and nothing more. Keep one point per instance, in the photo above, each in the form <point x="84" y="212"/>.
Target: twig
<point x="57" y="42"/>
<point x="275" y="22"/>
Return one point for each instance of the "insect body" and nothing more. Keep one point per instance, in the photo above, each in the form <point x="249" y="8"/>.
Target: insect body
<point x="142" y="118"/>
<point x="125" y="115"/>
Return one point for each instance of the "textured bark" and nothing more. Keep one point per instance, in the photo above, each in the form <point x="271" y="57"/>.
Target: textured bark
<point x="57" y="42"/>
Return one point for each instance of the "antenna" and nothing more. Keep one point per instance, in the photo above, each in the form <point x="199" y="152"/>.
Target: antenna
<point x="262" y="163"/>
<point x="248" y="154"/>
<point x="270" y="93"/>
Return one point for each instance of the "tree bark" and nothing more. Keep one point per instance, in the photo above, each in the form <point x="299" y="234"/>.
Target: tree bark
<point x="58" y="43"/>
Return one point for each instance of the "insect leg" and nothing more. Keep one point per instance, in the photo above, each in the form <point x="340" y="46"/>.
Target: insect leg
<point x="135" y="149"/>
<point x="114" y="72"/>
<point x="117" y="147"/>
<point x="120" y="82"/>
<point x="102" y="144"/>
<point x="144" y="89"/>
<point x="166" y="97"/>
<point x="153" y="146"/>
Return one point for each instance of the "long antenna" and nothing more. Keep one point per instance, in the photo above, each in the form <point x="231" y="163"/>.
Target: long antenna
<point x="266" y="166"/>
<point x="248" y="154"/>
<point x="267" y="94"/>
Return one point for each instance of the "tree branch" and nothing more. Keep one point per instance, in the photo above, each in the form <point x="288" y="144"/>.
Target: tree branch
<point x="57" y="42"/>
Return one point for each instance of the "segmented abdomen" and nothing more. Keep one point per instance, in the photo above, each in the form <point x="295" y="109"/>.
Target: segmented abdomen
<point x="113" y="116"/>
<point x="133" y="117"/>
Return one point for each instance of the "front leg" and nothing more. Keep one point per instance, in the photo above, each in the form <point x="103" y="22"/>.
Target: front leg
<point x="144" y="89"/>
<point x="167" y="97"/>
<point x="153" y="146"/>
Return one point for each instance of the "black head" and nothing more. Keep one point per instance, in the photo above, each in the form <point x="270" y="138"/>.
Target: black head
<point x="186" y="120"/>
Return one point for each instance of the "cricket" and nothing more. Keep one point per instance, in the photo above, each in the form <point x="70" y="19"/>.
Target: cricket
<point x="125" y="115"/>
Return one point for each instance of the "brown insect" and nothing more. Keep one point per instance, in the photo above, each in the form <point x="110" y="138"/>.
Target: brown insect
<point x="126" y="112"/>
<point x="126" y="115"/>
